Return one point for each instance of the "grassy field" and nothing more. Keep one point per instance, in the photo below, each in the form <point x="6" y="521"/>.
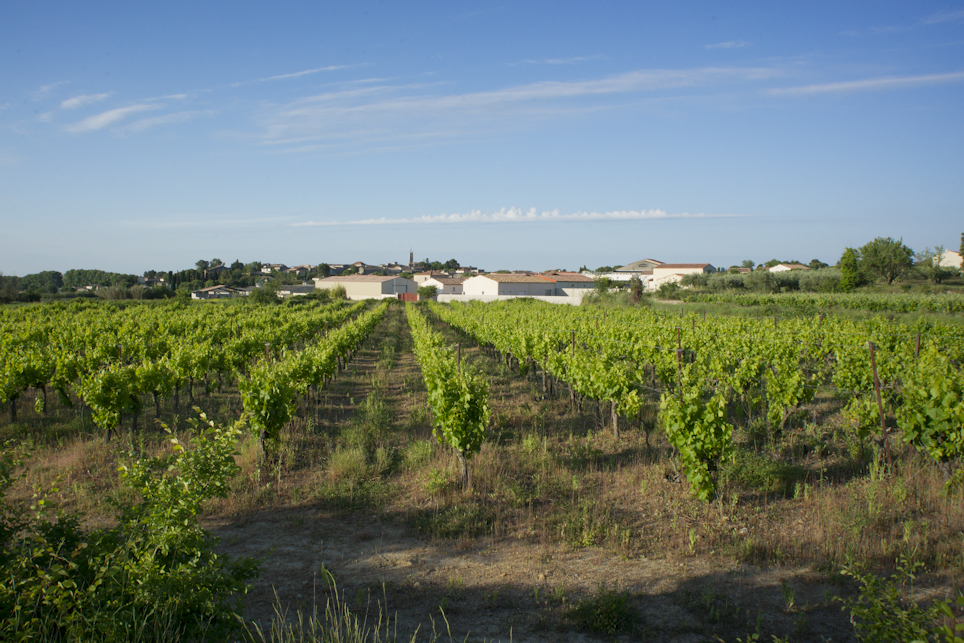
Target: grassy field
<point x="565" y="530"/>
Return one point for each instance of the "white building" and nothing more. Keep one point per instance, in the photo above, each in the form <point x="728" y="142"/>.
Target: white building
<point x="214" y="292"/>
<point x="295" y="290"/>
<point x="951" y="259"/>
<point x="368" y="286"/>
<point x="570" y="284"/>
<point x="784" y="267"/>
<point x="444" y="285"/>
<point x="512" y="284"/>
<point x="666" y="273"/>
<point x="422" y="277"/>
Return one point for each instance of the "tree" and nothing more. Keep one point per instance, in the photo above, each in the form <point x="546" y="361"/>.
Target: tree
<point x="603" y="284"/>
<point x="886" y="258"/>
<point x="266" y="294"/>
<point x="961" y="251"/>
<point x="929" y="264"/>
<point x="216" y="263"/>
<point x="635" y="289"/>
<point x="427" y="292"/>
<point x="324" y="270"/>
<point x="816" y="264"/>
<point x="850" y="276"/>
<point x="48" y="281"/>
<point x="747" y="263"/>
<point x="452" y="264"/>
<point x="237" y="265"/>
<point x="202" y="264"/>
<point x="8" y="289"/>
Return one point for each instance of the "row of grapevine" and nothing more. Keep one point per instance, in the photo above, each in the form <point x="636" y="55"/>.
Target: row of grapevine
<point x="876" y="302"/>
<point x="271" y="387"/>
<point x="704" y="369"/>
<point x="457" y="394"/>
<point x="111" y="357"/>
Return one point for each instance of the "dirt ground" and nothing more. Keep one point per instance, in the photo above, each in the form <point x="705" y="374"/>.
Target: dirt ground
<point x="514" y="587"/>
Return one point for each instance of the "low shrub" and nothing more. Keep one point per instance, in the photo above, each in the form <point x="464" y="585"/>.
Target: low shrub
<point x="155" y="576"/>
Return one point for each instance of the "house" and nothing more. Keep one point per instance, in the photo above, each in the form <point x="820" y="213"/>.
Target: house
<point x="214" y="292"/>
<point x="643" y="265"/>
<point x="666" y="273"/>
<point x="295" y="290"/>
<point x="301" y="271"/>
<point x="273" y="267"/>
<point x="368" y="286"/>
<point x="570" y="284"/>
<point x="511" y="284"/>
<point x="642" y="270"/>
<point x="951" y="259"/>
<point x="151" y="281"/>
<point x="421" y="277"/>
<point x="363" y="268"/>
<point x="393" y="268"/>
<point x="444" y="285"/>
<point x="783" y="267"/>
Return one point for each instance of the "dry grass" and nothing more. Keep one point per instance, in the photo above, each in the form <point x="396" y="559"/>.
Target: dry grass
<point x="549" y="475"/>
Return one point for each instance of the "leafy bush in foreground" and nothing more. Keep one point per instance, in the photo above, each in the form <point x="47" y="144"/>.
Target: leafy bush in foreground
<point x="155" y="576"/>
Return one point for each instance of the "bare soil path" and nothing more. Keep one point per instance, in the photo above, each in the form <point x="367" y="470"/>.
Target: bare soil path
<point x="516" y="586"/>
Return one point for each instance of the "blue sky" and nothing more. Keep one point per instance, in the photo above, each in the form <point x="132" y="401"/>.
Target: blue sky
<point x="510" y="135"/>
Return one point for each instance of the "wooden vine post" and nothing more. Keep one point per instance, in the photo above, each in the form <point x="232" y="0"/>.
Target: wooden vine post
<point x="572" y="390"/>
<point x="880" y="405"/>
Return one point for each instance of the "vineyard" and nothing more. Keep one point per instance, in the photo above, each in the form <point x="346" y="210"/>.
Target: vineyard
<point x="518" y="465"/>
<point x="875" y="302"/>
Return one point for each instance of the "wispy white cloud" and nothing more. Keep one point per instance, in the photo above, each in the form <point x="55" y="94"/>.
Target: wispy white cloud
<point x="869" y="84"/>
<point x="109" y="117"/>
<point x="44" y="90"/>
<point x="572" y="60"/>
<point x="518" y="215"/>
<point x="730" y="44"/>
<point x="167" y="119"/>
<point x="948" y="16"/>
<point x="80" y="101"/>
<point x="297" y="74"/>
<point x="405" y="110"/>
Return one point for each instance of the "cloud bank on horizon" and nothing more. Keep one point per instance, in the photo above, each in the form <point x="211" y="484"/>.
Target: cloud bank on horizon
<point x="518" y="215"/>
